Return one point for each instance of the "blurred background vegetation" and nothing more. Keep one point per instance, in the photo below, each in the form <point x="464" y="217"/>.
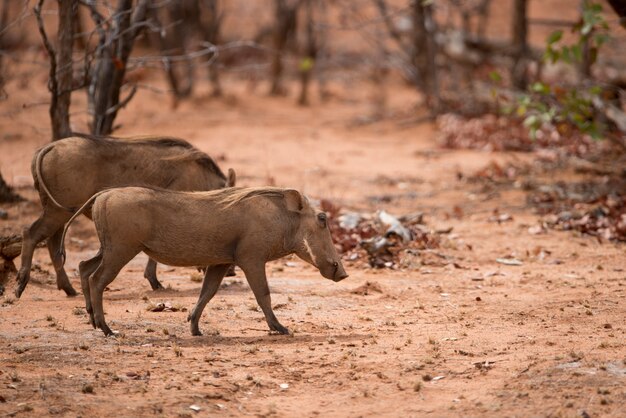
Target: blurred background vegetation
<point x="548" y="72"/>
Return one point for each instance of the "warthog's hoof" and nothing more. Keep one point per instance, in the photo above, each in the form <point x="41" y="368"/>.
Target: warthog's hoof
<point x="157" y="286"/>
<point x="279" y="329"/>
<point x="22" y="280"/>
<point x="21" y="285"/>
<point x="107" y="331"/>
<point x="69" y="291"/>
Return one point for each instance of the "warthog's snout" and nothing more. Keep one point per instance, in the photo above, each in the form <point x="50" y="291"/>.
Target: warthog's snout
<point x="340" y="272"/>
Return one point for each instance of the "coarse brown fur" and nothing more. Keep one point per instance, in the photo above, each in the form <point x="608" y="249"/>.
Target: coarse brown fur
<point x="69" y="171"/>
<point x="242" y="226"/>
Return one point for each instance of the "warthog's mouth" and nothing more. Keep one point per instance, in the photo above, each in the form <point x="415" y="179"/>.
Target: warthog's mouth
<point x="338" y="277"/>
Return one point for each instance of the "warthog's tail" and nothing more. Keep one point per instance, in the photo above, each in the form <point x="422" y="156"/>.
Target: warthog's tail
<point x="38" y="160"/>
<point x="86" y="205"/>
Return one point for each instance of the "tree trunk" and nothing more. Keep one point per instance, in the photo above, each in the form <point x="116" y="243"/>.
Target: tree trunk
<point x="60" y="105"/>
<point x="285" y="25"/>
<point x="310" y="53"/>
<point x="212" y="30"/>
<point x="80" y="35"/>
<point x="4" y="20"/>
<point x="176" y="43"/>
<point x="586" y="62"/>
<point x="519" y="77"/>
<point x="483" y="13"/>
<point x="112" y="58"/>
<point x="7" y="195"/>
<point x="424" y="54"/>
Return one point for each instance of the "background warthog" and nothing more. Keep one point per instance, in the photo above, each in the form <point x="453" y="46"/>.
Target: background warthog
<point x="243" y="226"/>
<point x="70" y="171"/>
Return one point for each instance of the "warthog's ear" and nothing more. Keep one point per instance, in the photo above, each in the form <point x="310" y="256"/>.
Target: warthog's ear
<point x="294" y="200"/>
<point x="232" y="178"/>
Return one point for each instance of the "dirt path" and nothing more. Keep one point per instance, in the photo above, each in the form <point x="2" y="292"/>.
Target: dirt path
<point x="466" y="336"/>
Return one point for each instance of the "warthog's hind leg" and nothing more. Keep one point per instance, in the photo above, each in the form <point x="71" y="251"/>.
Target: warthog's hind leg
<point x="54" y="246"/>
<point x="47" y="224"/>
<point x="231" y="271"/>
<point x="150" y="274"/>
<point x="257" y="280"/>
<point x="86" y="269"/>
<point x="112" y="263"/>
<point x="212" y="279"/>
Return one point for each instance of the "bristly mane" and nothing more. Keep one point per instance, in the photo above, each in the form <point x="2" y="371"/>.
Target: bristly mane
<point x="234" y="195"/>
<point x="162" y="141"/>
<point x="191" y="154"/>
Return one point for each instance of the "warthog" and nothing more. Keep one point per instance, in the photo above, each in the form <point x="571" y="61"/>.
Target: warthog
<point x="243" y="226"/>
<point x="76" y="168"/>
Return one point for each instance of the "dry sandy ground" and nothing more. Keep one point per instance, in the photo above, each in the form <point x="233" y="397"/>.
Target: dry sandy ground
<point x="480" y="339"/>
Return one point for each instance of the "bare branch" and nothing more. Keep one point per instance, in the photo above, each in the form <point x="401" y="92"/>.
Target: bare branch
<point x="123" y="103"/>
<point x="391" y="29"/>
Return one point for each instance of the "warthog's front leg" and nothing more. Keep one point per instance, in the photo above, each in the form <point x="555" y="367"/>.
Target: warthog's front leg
<point x="257" y="280"/>
<point x="212" y="279"/>
<point x="150" y="273"/>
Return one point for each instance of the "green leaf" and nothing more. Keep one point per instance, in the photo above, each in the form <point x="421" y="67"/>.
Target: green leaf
<point x="547" y="55"/>
<point x="507" y="109"/>
<point x="593" y="55"/>
<point x="565" y="54"/>
<point x="595" y="90"/>
<point x="524" y="100"/>
<point x="600" y="39"/>
<point x="595" y="7"/>
<point x="555" y="37"/>
<point x="577" y="52"/>
<point x="495" y="76"/>
<point x="306" y="64"/>
<point x="531" y="121"/>
<point x="540" y="87"/>
<point x="542" y="107"/>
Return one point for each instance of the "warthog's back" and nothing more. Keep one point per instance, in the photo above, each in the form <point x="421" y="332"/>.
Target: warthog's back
<point x="176" y="227"/>
<point x="75" y="168"/>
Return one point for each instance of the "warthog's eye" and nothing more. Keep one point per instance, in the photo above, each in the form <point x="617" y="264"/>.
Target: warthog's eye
<point x="322" y="218"/>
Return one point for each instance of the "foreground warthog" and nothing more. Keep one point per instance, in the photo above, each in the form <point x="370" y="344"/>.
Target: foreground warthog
<point x="243" y="226"/>
<point x="70" y="171"/>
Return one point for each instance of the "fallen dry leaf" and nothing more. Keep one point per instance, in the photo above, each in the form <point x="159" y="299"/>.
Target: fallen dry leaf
<point x="509" y="261"/>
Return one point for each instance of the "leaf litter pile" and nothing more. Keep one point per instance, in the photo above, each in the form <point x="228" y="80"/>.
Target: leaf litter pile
<point x="385" y="241"/>
<point x="595" y="207"/>
<point x="501" y="133"/>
